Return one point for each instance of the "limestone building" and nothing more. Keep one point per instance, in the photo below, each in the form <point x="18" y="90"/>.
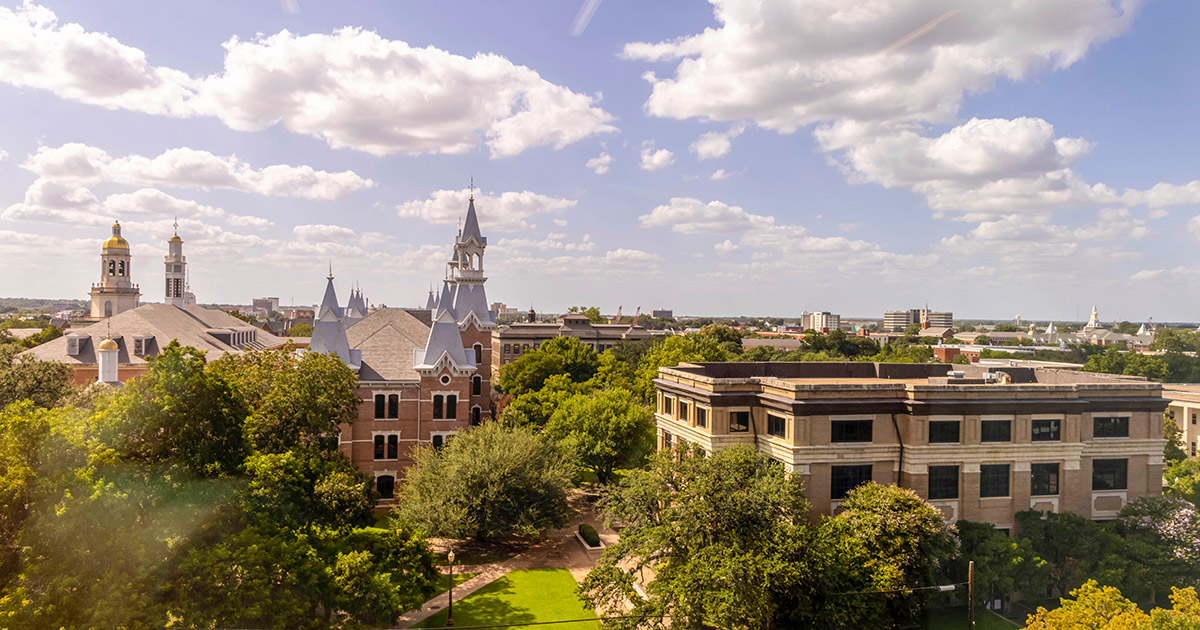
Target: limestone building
<point x="979" y="445"/>
<point x="512" y="341"/>
<point x="116" y="292"/>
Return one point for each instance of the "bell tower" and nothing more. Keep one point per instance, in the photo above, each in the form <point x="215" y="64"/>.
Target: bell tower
<point x="116" y="292"/>
<point x="176" y="271"/>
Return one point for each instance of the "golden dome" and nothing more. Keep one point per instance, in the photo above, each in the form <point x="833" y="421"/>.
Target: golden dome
<point x="176" y="239"/>
<point x="116" y="242"/>
<point x="107" y="344"/>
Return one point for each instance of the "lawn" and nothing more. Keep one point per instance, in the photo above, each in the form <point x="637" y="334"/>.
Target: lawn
<point x="956" y="619"/>
<point x="459" y="578"/>
<point x="522" y="597"/>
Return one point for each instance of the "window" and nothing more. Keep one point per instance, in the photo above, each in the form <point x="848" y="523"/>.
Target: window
<point x="739" y="421"/>
<point x="943" y="482"/>
<point x="112" y="268"/>
<point x="478" y="354"/>
<point x="850" y="430"/>
<point x="385" y="485"/>
<point x="996" y="431"/>
<point x="393" y="410"/>
<point x="1193" y="418"/>
<point x="667" y="406"/>
<point x="776" y="425"/>
<point x="1043" y="479"/>
<point x="683" y="411"/>
<point x="451" y="407"/>
<point x="507" y="348"/>
<point x="438" y="411"/>
<point x="1110" y="427"/>
<point x="476" y="385"/>
<point x="475" y="412"/>
<point x="380" y="451"/>
<point x="1047" y="430"/>
<point x="666" y="440"/>
<point x="843" y="479"/>
<point x="702" y="418"/>
<point x="943" y="432"/>
<point x="121" y="268"/>
<point x="1193" y="449"/>
<point x="993" y="480"/>
<point x="108" y="309"/>
<point x="438" y="441"/>
<point x="1110" y="474"/>
<point x="393" y="447"/>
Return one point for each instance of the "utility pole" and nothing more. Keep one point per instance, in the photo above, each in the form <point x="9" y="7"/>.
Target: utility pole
<point x="971" y="595"/>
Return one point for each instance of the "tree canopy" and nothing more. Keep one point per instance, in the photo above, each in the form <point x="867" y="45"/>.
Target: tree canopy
<point x="607" y="430"/>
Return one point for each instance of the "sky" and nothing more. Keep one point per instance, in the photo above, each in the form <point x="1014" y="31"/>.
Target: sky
<point x="736" y="157"/>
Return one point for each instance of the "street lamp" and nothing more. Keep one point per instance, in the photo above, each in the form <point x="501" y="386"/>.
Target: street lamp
<point x="450" y="607"/>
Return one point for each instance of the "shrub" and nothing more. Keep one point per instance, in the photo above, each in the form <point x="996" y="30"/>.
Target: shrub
<point x="589" y="534"/>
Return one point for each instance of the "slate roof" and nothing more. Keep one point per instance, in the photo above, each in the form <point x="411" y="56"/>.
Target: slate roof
<point x="444" y="343"/>
<point x="196" y="326"/>
<point x="387" y="339"/>
<point x="471" y="226"/>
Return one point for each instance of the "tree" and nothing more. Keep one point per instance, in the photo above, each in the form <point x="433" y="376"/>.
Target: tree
<point x="1098" y="607"/>
<point x="1116" y="361"/>
<point x="1126" y="327"/>
<point x="491" y="481"/>
<point x="1183" y="480"/>
<point x="983" y="340"/>
<point x="1003" y="564"/>
<point x="608" y="430"/>
<point x="1076" y="548"/>
<point x="671" y="352"/>
<point x="561" y="355"/>
<point x="1173" y="451"/>
<point x="23" y="377"/>
<point x="593" y="313"/>
<point x="533" y="409"/>
<point x="1162" y="536"/>
<point x="300" y="330"/>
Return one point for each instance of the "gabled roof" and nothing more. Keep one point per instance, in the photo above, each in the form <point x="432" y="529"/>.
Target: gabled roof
<point x="443" y="348"/>
<point x="446" y="301"/>
<point x="387" y="339"/>
<point x="471" y="226"/>
<point x="329" y="302"/>
<point x="471" y="301"/>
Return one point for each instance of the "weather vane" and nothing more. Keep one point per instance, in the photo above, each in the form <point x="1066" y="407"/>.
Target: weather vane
<point x="472" y="188"/>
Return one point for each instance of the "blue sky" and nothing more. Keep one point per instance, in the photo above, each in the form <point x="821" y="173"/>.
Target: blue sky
<point x="986" y="158"/>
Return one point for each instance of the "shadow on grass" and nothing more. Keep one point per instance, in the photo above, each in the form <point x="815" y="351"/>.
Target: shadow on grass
<point x="488" y="606"/>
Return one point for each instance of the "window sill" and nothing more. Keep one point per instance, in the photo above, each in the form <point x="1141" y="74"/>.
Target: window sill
<point x="445" y="419"/>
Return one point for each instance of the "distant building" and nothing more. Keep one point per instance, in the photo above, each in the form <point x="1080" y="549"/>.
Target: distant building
<point x="980" y="444"/>
<point x="822" y="321"/>
<point x="662" y="313"/>
<point x="266" y="305"/>
<point x="116" y="292"/>
<point x="500" y="309"/>
<point x="1185" y="407"/>
<point x="512" y="341"/>
<point x="897" y="321"/>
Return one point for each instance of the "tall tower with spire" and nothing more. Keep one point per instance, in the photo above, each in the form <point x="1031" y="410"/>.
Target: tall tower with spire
<point x="176" y="271"/>
<point x="469" y="307"/>
<point x="116" y="292"/>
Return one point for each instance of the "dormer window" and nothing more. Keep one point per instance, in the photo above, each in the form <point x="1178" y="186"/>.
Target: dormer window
<point x="73" y="346"/>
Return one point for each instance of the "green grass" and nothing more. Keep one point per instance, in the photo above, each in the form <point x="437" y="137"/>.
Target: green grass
<point x="956" y="619"/>
<point x="459" y="578"/>
<point x="472" y="558"/>
<point x="522" y="597"/>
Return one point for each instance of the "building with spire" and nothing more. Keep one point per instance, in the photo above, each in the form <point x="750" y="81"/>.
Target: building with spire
<point x="116" y="292"/>
<point x="176" y="271"/>
<point x="1093" y="321"/>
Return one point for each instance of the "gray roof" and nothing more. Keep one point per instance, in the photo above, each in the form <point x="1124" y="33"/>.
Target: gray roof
<point x="446" y="301"/>
<point x="329" y="330"/>
<point x="387" y="339"/>
<point x="469" y="298"/>
<point x="431" y="303"/>
<point x="202" y="328"/>
<point x="443" y="348"/>
<point x="471" y="226"/>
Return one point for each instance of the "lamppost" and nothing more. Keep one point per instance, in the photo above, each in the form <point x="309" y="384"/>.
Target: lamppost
<point x="450" y="607"/>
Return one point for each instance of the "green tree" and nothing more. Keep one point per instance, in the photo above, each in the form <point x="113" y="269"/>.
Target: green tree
<point x="300" y="330"/>
<point x="1162" y="535"/>
<point x="1174" y="449"/>
<point x="1098" y="607"/>
<point x="561" y="355"/>
<point x="1183" y="480"/>
<point x="1004" y="565"/>
<point x="533" y="409"/>
<point x="671" y="352"/>
<point x="492" y="481"/>
<point x="1126" y="328"/>
<point x="1117" y="361"/>
<point x="23" y="377"/>
<point x="593" y="313"/>
<point x="1076" y="548"/>
<point x="608" y="430"/>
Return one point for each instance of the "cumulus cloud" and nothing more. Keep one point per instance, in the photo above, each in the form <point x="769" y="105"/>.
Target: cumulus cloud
<point x="726" y="247"/>
<point x="506" y="212"/>
<point x="319" y="233"/>
<point x="616" y="261"/>
<point x="600" y="163"/>
<point x="715" y="144"/>
<point x="719" y="174"/>
<point x="3" y="155"/>
<point x="351" y="88"/>
<point x="552" y="242"/>
<point x="653" y="160"/>
<point x="191" y="168"/>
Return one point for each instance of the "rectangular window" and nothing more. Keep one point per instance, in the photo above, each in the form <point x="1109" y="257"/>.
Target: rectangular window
<point x="379" y="447"/>
<point x="1193" y="449"/>
<point x="1110" y="474"/>
<point x="702" y="417"/>
<point x="739" y="421"/>
<point x="380" y="405"/>
<point x="507" y="348"/>
<point x="476" y="386"/>
<point x="843" y="479"/>
<point x="943" y="432"/>
<point x="393" y="447"/>
<point x="438" y="411"/>
<point x="1047" y="430"/>
<point x="683" y="411"/>
<point x="1043" y="479"/>
<point x="943" y="482"/>
<point x="776" y="426"/>
<point x="850" y="430"/>
<point x="393" y="406"/>
<point x="995" y="431"/>
<point x="668" y="408"/>
<point x="993" y="480"/>
<point x="451" y="407"/>
<point x="1110" y="427"/>
<point x="666" y="440"/>
<point x="438" y="441"/>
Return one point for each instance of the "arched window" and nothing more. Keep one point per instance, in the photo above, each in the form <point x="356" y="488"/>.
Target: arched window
<point x="438" y="411"/>
<point x="112" y="268"/>
<point x="478" y="354"/>
<point x="475" y="412"/>
<point x="379" y="402"/>
<point x="386" y="486"/>
<point x="476" y="385"/>
<point x="393" y="406"/>
<point x="452" y="406"/>
<point x="121" y="268"/>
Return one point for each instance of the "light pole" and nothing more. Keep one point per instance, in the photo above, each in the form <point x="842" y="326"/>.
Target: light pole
<point x="450" y="607"/>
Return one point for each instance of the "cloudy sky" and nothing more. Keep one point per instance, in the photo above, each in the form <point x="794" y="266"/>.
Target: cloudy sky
<point x="738" y="157"/>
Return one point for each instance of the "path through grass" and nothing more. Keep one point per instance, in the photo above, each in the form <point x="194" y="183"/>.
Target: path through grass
<point x="522" y="597"/>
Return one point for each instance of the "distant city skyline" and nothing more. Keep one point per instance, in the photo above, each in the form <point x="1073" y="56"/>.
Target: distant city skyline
<point x="985" y="159"/>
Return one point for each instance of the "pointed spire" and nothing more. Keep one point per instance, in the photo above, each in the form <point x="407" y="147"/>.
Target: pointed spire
<point x="446" y="301"/>
<point x="471" y="225"/>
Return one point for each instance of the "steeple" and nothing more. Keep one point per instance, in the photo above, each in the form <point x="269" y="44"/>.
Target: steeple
<point x="471" y="226"/>
<point x="470" y="300"/>
<point x="329" y="329"/>
<point x="176" y="271"/>
<point x="116" y="292"/>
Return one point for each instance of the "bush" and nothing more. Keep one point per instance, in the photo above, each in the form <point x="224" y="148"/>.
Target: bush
<point x="589" y="534"/>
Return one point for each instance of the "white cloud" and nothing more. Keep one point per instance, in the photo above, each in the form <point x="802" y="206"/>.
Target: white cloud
<point x="600" y="163"/>
<point x="1113" y="224"/>
<point x="719" y="174"/>
<point x="506" y="212"/>
<point x="653" y="160"/>
<point x="352" y="88"/>
<point x="687" y="215"/>
<point x="785" y="65"/>
<point x="552" y="242"/>
<point x="319" y="233"/>
<point x="3" y="155"/>
<point x="715" y="144"/>
<point x="726" y="247"/>
<point x="849" y="226"/>
<point x="192" y="168"/>
<point x="1193" y="226"/>
<point x="152" y="202"/>
<point x="257" y="223"/>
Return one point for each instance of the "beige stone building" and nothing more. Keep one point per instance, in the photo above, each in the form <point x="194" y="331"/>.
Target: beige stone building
<point x="978" y="445"/>
<point x="512" y="341"/>
<point x="1185" y="407"/>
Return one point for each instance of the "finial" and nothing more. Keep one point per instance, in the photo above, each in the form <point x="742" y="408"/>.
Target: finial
<point x="176" y="224"/>
<point x="330" y="270"/>
<point x="472" y="188"/>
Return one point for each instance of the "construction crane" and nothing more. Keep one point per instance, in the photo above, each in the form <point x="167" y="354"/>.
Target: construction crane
<point x="617" y="319"/>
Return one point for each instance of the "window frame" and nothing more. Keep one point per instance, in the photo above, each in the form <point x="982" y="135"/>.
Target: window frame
<point x="741" y="428"/>
<point x="984" y="424"/>
<point x="439" y="407"/>
<point x="380" y="444"/>
<point x="391" y="493"/>
<point x="393" y="406"/>
<point x="957" y="424"/>
<point x="834" y="493"/>
<point x="991" y="485"/>
<point x="945" y="492"/>
<point x="1121" y="475"/>
<point x="1098" y="421"/>
<point x="856" y="435"/>
<point x="451" y="407"/>
<point x="779" y="431"/>
<point x="1054" y="435"/>
<point x="702" y="417"/>
<point x="1052" y="482"/>
<point x="393" y="446"/>
<point x="476" y="385"/>
<point x="681" y="410"/>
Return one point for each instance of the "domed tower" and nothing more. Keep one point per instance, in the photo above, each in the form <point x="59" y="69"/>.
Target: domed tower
<point x="116" y="292"/>
<point x="176" y="271"/>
